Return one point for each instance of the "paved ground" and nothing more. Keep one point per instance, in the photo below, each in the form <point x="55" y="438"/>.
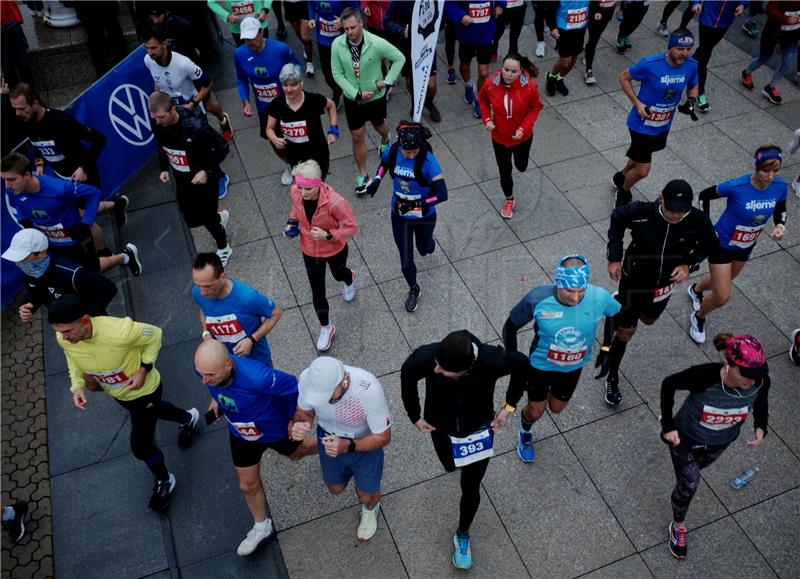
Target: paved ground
<point x="597" y="499"/>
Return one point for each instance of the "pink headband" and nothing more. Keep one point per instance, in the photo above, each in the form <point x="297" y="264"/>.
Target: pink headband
<point x="306" y="183"/>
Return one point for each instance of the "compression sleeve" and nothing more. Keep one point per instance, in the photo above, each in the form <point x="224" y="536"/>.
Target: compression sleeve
<point x="510" y="330"/>
<point x="761" y="407"/>
<point x="779" y="215"/>
<point x="706" y="196"/>
<point x="439" y="193"/>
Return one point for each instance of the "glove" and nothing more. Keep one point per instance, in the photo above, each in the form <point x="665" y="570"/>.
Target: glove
<point x="603" y="361"/>
<point x="404" y="206"/>
<point x="372" y="188"/>
<point x="687" y="108"/>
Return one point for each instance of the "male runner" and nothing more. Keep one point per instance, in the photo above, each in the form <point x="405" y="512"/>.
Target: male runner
<point x="567" y="21"/>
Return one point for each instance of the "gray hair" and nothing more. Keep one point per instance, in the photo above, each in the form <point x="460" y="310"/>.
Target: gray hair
<point x="291" y="73"/>
<point x="309" y="169"/>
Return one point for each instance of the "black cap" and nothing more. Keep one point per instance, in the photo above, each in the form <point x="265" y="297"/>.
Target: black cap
<point x="410" y="137"/>
<point x="678" y="196"/>
<point x="65" y="310"/>
<point x="456" y="353"/>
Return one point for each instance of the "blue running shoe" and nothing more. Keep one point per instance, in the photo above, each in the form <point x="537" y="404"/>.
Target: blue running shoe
<point x="525" y="448"/>
<point x="469" y="94"/>
<point x="462" y="557"/>
<point x="476" y="109"/>
<point x="223" y="185"/>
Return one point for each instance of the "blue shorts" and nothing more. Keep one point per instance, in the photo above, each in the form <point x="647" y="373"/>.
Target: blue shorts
<point x="365" y="467"/>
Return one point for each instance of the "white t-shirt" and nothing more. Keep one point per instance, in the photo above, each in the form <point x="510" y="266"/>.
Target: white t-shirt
<point x="175" y="79"/>
<point x="361" y="411"/>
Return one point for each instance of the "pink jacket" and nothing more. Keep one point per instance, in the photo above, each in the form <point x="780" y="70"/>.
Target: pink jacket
<point x="333" y="214"/>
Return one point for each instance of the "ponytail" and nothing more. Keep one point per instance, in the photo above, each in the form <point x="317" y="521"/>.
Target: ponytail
<point x="721" y="341"/>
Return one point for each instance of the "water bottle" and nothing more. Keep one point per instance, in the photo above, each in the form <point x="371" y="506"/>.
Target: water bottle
<point x="744" y="478"/>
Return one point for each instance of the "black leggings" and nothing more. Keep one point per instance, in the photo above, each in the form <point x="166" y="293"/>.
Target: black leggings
<point x="503" y="156"/>
<point x="471" y="477"/>
<point x="632" y="16"/>
<point x="277" y="10"/>
<point x="325" y="62"/>
<point x="145" y="412"/>
<point x="315" y="268"/>
<point x="406" y="232"/>
<point x="709" y="38"/>
<point x="450" y="33"/>
<point x="515" y="17"/>
<point x="540" y="10"/>
<point x="670" y="8"/>
<point x="688" y="459"/>
<point x="596" y="29"/>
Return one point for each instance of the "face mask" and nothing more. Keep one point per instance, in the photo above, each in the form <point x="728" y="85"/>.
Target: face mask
<point x="35" y="268"/>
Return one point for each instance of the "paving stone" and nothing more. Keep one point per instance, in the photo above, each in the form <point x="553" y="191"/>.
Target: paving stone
<point x="472" y="146"/>
<point x="780" y="307"/>
<point x="257" y="264"/>
<point x="600" y="120"/>
<point x="160" y="236"/>
<point x="245" y="225"/>
<point x="165" y="307"/>
<point x="570" y="143"/>
<point x="257" y="155"/>
<point x="632" y="567"/>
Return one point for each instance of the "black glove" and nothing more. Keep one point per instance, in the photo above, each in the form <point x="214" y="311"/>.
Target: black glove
<point x="372" y="188"/>
<point x="687" y="108"/>
<point x="603" y="361"/>
<point x="404" y="206"/>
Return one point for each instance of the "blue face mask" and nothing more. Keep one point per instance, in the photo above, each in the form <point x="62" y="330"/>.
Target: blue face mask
<point x="35" y="268"/>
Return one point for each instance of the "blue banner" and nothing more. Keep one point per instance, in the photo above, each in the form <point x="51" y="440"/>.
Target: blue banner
<point x="115" y="105"/>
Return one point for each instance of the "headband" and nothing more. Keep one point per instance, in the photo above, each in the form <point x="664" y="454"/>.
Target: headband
<point x="576" y="277"/>
<point x="307" y="183"/>
<point x="768" y="154"/>
<point x="410" y="137"/>
<point x="680" y="40"/>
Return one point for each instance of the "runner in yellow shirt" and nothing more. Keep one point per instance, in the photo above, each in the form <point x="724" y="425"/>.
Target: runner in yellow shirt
<point x="118" y="355"/>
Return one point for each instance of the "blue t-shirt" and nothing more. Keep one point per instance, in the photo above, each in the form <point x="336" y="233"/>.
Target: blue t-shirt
<point x="405" y="186"/>
<point x="237" y="316"/>
<point x="661" y="90"/>
<point x="257" y="401"/>
<point x="563" y="334"/>
<point x="572" y="15"/>
<point x="747" y="211"/>
<point x="325" y="14"/>
<point x="55" y="207"/>
<point x="261" y="69"/>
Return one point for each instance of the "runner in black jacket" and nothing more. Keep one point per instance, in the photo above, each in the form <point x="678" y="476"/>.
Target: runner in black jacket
<point x="460" y="375"/>
<point x="720" y="398"/>
<point x="670" y="238"/>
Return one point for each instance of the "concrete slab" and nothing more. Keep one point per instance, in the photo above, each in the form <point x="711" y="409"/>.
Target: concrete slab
<point x="232" y="165"/>
<point x="581" y="172"/>
<point x="599" y="119"/>
<point x="265" y="562"/>
<point x="755" y="129"/>
<point x="570" y="143"/>
<point x="159" y="234"/>
<point x="472" y="146"/>
<point x="232" y="104"/>
<point x="691" y="144"/>
<point x="786" y="113"/>
<point x="731" y="74"/>
<point x="274" y="201"/>
<point x="258" y="265"/>
<point x="257" y="155"/>
<point x="632" y="567"/>
<point x="165" y="308"/>
<point x="246" y="223"/>
<point x="780" y="307"/>
<point x="145" y="189"/>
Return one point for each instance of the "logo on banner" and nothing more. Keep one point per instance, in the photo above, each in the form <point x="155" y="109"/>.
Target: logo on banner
<point x="428" y="18"/>
<point x="130" y="115"/>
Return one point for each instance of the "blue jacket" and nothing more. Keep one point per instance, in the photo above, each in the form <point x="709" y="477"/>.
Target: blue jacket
<point x="719" y="13"/>
<point x="478" y="33"/>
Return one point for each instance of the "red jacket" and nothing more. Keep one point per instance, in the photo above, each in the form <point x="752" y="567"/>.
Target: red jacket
<point x="782" y="16"/>
<point x="511" y="107"/>
<point x="333" y="214"/>
<point x="377" y="10"/>
<point x="9" y="13"/>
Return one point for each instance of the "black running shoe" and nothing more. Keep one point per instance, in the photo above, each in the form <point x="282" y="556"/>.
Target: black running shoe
<point x="186" y="431"/>
<point x="162" y="491"/>
<point x="677" y="541"/>
<point x="561" y="87"/>
<point x="618" y="180"/>
<point x="613" y="396"/>
<point x="133" y="259"/>
<point x="411" y="300"/>
<point x="622" y="197"/>
<point x="436" y="116"/>
<point x="16" y="526"/>
<point x="121" y="210"/>
<point x="550" y="85"/>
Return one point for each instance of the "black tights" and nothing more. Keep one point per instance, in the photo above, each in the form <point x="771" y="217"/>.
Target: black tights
<point x="540" y="10"/>
<point x="315" y="268"/>
<point x="709" y="38"/>
<point x="688" y="459"/>
<point x="670" y="7"/>
<point x="596" y="29"/>
<point x="632" y="16"/>
<point x="503" y="155"/>
<point x="450" y="43"/>
<point x="515" y="18"/>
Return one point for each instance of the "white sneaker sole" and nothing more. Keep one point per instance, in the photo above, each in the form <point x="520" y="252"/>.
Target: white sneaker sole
<point x="693" y="297"/>
<point x="696" y="336"/>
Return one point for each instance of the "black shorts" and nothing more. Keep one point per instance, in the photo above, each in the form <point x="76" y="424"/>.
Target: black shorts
<point x="637" y="301"/>
<point x="198" y="204"/>
<point x="570" y="42"/>
<point x="247" y="452"/>
<point x="720" y="255"/>
<point x="358" y="114"/>
<point x="294" y="11"/>
<point x="83" y="252"/>
<point x="482" y="51"/>
<point x="643" y="146"/>
<point x="560" y="385"/>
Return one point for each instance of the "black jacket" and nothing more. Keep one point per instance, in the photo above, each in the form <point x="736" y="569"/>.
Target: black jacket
<point x="657" y="246"/>
<point x="204" y="147"/>
<point x="65" y="277"/>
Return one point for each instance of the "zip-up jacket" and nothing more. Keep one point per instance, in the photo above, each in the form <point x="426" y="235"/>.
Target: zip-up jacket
<point x="718" y="13"/>
<point x="782" y="18"/>
<point x="333" y="214"/>
<point x="511" y="107"/>
<point x="481" y="31"/>
<point x="374" y="49"/>
<point x="65" y="277"/>
<point x="657" y="246"/>
<point x="190" y="146"/>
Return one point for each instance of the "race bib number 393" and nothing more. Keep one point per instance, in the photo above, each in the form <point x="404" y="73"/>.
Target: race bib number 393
<point x="477" y="446"/>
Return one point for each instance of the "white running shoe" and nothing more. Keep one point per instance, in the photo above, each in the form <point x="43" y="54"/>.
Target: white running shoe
<point x="310" y="70"/>
<point x="796" y="187"/>
<point x="697" y="299"/>
<point x="696" y="330"/>
<point x="325" y="337"/>
<point x="254" y="538"/>
<point x="369" y="523"/>
<point x="224" y="217"/>
<point x="540" y="49"/>
<point x="225" y="255"/>
<point x="349" y="291"/>
<point x="286" y="177"/>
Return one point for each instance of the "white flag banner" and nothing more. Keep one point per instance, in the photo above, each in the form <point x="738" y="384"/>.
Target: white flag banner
<point x="425" y="22"/>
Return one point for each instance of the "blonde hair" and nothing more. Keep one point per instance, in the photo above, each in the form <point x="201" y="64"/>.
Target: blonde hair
<point x="309" y="169"/>
<point x="160" y="101"/>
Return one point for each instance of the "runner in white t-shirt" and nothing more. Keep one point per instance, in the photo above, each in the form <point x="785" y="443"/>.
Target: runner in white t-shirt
<point x="353" y="426"/>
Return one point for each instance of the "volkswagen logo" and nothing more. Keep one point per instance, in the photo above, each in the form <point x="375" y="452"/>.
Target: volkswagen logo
<point x="129" y="114"/>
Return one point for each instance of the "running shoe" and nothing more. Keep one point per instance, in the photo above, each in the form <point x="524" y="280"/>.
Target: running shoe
<point x="325" y="337"/>
<point x="476" y="109"/>
<point x="618" y="180"/>
<point x="186" y="431"/>
<point x="561" y="87"/>
<point x="747" y="80"/>
<point x="550" y="84"/>
<point x="16" y="526"/>
<point x="525" y="448"/>
<point x="750" y="27"/>
<point x="677" y="541"/>
<point x="349" y="291"/>
<point x="224" y="217"/>
<point x="413" y="298"/>
<point x="462" y="556"/>
<point x="451" y="75"/>
<point x="121" y="203"/>
<point x="254" y="538"/>
<point x="224" y="181"/>
<point x="623" y="44"/>
<point x="771" y="94"/>
<point x="702" y="103"/>
<point x="286" y="176"/>
<point x="696" y="330"/>
<point x="162" y="491"/>
<point x="225" y="127"/>
<point x="589" y="77"/>
<point x="368" y="523"/>
<point x="282" y="34"/>
<point x="697" y="298"/>
<point x="310" y="70"/>
<point x="796" y="187"/>
<point x="540" y="48"/>
<point x="134" y="263"/>
<point x="469" y="94"/>
<point x="361" y="184"/>
<point x="794" y="350"/>
<point x="613" y="396"/>
<point x="225" y="255"/>
<point x="436" y="116"/>
<point x="507" y="212"/>
<point x="662" y="29"/>
<point x="622" y="197"/>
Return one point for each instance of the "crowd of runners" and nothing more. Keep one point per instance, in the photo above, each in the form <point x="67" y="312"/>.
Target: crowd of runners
<point x="337" y="411"/>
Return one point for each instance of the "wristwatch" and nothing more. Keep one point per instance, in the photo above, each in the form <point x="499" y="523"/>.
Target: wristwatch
<point x="329" y="235"/>
<point x="352" y="446"/>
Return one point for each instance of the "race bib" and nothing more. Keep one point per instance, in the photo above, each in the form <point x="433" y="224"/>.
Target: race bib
<point x="248" y="430"/>
<point x="576" y="18"/>
<point x="178" y="159"/>
<point x="225" y="328"/>
<point x="659" y="116"/>
<point x="607" y="3"/>
<point x="266" y="92"/>
<point x="328" y="28"/>
<point x="722" y="418"/>
<point x="56" y="233"/>
<point x="514" y="3"/>
<point x="113" y="379"/>
<point x="796" y="24"/>
<point x="49" y="151"/>
<point x="477" y="446"/>
<point x="566" y="357"/>
<point x="662" y="293"/>
<point x="243" y="9"/>
<point x="480" y="12"/>
<point x="295" y="132"/>
<point x="415" y="213"/>
<point x="745" y="236"/>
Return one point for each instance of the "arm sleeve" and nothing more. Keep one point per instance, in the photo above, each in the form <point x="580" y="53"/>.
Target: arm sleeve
<point x="485" y="103"/>
<point x="242" y="80"/>
<point x="209" y="148"/>
<point x="638" y="71"/>
<point x="694" y="379"/>
<point x="163" y="161"/>
<point x="519" y="376"/>
<point x="708" y="240"/>
<point x="291" y="56"/>
<point x="412" y="371"/>
<point x="775" y="12"/>
<point x="707" y="195"/>
<point x="510" y="330"/>
<point x="312" y="9"/>
<point x="439" y="192"/>
<point x="550" y="14"/>
<point x="389" y="20"/>
<point x="453" y="11"/>
<point x="75" y="374"/>
<point x="147" y="337"/>
<point x="92" y="196"/>
<point x="343" y="214"/>
<point x="761" y="407"/>
<point x="263" y="304"/>
<point x="779" y="215"/>
<point x="522" y="313"/>
<point x="612" y="306"/>
<point x="96" y="291"/>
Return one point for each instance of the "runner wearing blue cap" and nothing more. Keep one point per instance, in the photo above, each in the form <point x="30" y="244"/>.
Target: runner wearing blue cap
<point x="565" y="315"/>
